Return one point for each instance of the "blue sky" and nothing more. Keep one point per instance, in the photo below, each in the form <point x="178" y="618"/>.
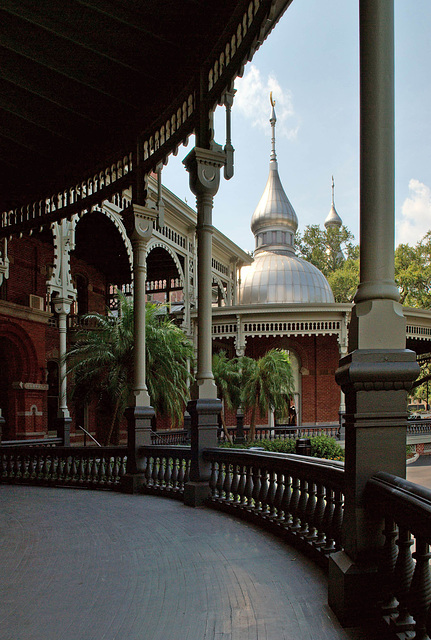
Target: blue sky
<point x="311" y="64"/>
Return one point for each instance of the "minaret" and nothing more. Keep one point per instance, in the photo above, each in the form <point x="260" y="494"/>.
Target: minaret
<point x="333" y="219"/>
<point x="274" y="221"/>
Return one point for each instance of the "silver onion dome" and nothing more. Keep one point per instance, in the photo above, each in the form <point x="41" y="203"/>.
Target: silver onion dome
<point x="277" y="275"/>
<point x="275" y="278"/>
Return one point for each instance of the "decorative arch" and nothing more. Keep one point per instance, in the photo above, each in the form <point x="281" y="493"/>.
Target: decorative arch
<point x="221" y="287"/>
<point x="116" y="220"/>
<point x="158" y="244"/>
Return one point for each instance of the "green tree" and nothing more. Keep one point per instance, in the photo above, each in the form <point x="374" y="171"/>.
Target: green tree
<point x="344" y="281"/>
<point x="227" y="377"/>
<point x="267" y="384"/>
<point x="413" y="273"/>
<point x="326" y="248"/>
<point x="101" y="363"/>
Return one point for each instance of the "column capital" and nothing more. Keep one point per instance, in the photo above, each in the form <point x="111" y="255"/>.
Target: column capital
<point x="139" y="222"/>
<point x="204" y="167"/>
<point x="62" y="305"/>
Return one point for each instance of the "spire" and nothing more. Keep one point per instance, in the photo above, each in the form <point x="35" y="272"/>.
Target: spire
<point x="333" y="219"/>
<point x="274" y="220"/>
<point x="272" y="120"/>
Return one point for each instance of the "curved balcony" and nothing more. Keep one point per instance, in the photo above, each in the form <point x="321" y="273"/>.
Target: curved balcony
<point x="240" y="579"/>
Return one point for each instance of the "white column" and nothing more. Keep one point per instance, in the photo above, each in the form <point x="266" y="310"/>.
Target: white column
<point x="139" y="222"/>
<point x="204" y="166"/>
<point x="62" y="308"/>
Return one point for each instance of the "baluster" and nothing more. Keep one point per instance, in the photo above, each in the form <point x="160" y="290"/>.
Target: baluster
<point x="174" y="473"/>
<point x="235" y="484"/>
<point x="74" y="470"/>
<point x="387" y="560"/>
<point x="310" y="511"/>
<point x="420" y="590"/>
<point x="276" y="511"/>
<point x="242" y="498"/>
<point x="227" y="483"/>
<point x="163" y="461"/>
<point x="213" y="478"/>
<point x="337" y="518"/>
<point x="319" y="513"/>
<point x="87" y="469"/>
<point x="67" y="467"/>
<point x="403" y="575"/>
<point x="302" y="505"/>
<point x="81" y="470"/>
<point x="31" y="467"/>
<point x="220" y="481"/>
<point x="263" y="491"/>
<point x="94" y="469"/>
<point x="186" y="464"/>
<point x="45" y="469"/>
<point x="168" y="472"/>
<point x="148" y="470"/>
<point x="102" y="471"/>
<point x="286" y="518"/>
<point x="272" y="486"/>
<point x="327" y="521"/>
<point x="256" y="488"/>
<point x="38" y="467"/>
<point x="155" y="474"/>
<point x="17" y="466"/>
<point x="52" y="462"/>
<point x="248" y="492"/>
<point x="182" y="468"/>
<point x="294" y="502"/>
<point x="114" y="469"/>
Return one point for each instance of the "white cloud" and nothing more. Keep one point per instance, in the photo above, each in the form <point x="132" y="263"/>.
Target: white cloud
<point x="415" y="214"/>
<point x="252" y="100"/>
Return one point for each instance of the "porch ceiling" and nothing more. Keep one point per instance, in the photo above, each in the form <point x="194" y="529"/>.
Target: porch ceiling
<point x="80" y="80"/>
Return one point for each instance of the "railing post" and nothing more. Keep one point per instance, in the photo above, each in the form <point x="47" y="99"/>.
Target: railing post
<point x="378" y="371"/>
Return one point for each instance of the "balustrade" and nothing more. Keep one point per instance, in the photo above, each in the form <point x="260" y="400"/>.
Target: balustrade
<point x="297" y="497"/>
<point x="405" y="577"/>
<point x="100" y="467"/>
<point x="166" y="469"/>
<point x="286" y="432"/>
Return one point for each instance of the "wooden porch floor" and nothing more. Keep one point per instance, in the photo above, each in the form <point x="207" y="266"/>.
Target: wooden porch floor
<point x="83" y="565"/>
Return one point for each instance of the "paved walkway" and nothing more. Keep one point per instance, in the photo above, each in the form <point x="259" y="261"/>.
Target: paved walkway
<point x="420" y="471"/>
<point x="82" y="565"/>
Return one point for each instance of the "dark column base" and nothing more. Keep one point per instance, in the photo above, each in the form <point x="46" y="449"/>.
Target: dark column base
<point x="63" y="430"/>
<point x="132" y="483"/>
<point x="196" y="493"/>
<point x="352" y="589"/>
<point x="204" y="415"/>
<point x="138" y="435"/>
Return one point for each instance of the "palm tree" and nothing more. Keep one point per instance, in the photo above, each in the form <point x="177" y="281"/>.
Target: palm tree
<point x="101" y="361"/>
<point x="227" y="377"/>
<point x="267" y="384"/>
